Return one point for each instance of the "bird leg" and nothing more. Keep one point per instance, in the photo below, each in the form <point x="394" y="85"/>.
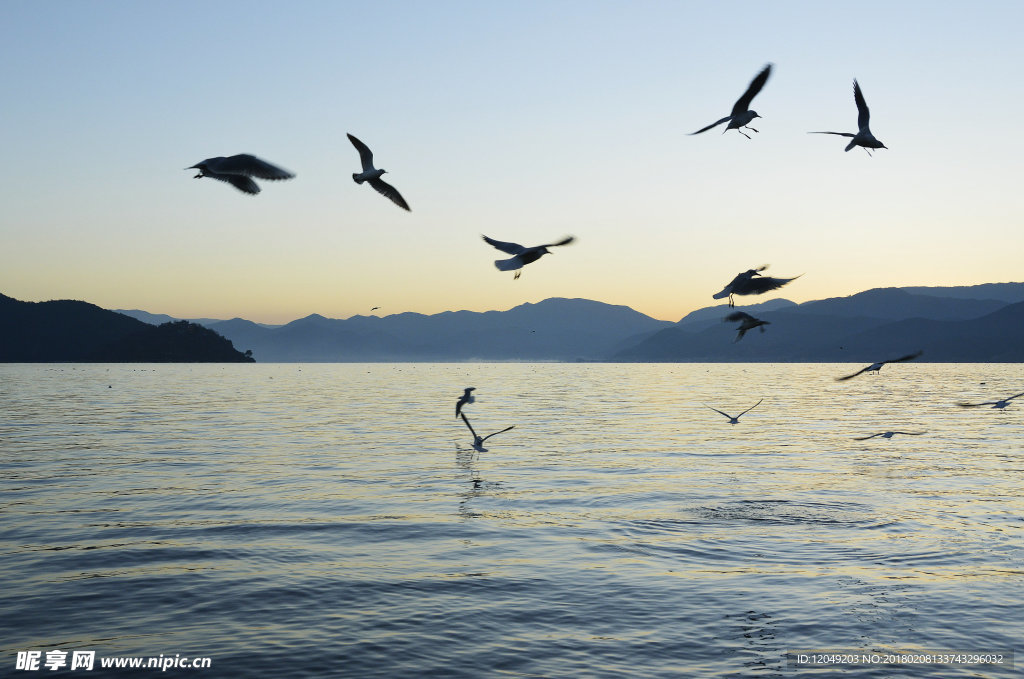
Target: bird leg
<point x="866" y="151"/>
<point x="744" y="133"/>
<point x="516" y="277"/>
<point x="731" y="303"/>
<point x="750" y="128"/>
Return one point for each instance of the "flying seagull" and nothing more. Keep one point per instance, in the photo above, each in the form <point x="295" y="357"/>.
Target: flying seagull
<point x="888" y="435"/>
<point x="875" y="367"/>
<point x="863" y="138"/>
<point x="372" y="175"/>
<point x="1002" y="403"/>
<point x="467" y="397"/>
<point x="735" y="420"/>
<point x="751" y="282"/>
<point x="239" y="171"/>
<point x="374" y="308"/>
<point x="478" y="442"/>
<point x="747" y="322"/>
<point x="741" y="115"/>
<point x="523" y="255"/>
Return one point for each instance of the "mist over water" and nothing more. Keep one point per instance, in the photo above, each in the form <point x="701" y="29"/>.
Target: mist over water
<point x="333" y="520"/>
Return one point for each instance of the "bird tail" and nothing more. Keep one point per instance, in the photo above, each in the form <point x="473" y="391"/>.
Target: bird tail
<point x="721" y="295"/>
<point x="850" y="145"/>
<point x="357" y="180"/>
<point x="508" y="264"/>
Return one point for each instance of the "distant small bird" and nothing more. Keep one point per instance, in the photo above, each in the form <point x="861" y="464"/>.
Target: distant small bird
<point x="747" y="322"/>
<point x="374" y="308"/>
<point x="863" y="138"/>
<point x="741" y="116"/>
<point x="751" y="282"/>
<point x="888" y="435"/>
<point x="372" y="175"/>
<point x="875" y="367"/>
<point x="1002" y="403"/>
<point x="466" y="398"/>
<point x="735" y="420"/>
<point x="478" y="442"/>
<point x="523" y="255"/>
<point x="239" y="171"/>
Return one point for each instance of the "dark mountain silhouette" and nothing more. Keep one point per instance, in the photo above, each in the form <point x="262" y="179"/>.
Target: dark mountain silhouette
<point x="862" y="327"/>
<point x="966" y="323"/>
<point x="71" y="331"/>
<point x="552" y="330"/>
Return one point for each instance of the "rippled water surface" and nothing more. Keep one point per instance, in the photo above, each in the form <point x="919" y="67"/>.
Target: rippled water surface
<point x="333" y="520"/>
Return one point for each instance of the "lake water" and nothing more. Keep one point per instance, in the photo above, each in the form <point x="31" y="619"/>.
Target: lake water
<point x="332" y="519"/>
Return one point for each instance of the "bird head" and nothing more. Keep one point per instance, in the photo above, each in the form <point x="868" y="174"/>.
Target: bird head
<point x="199" y="166"/>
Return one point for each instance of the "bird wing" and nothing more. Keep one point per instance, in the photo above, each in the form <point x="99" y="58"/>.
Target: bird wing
<point x="510" y="248"/>
<point x="250" y="166"/>
<point x="240" y="182"/>
<point x="564" y="241"/>
<point x="743" y="103"/>
<point x="720" y="412"/>
<point x="840" y="379"/>
<point x="390" y="192"/>
<point x="365" y="154"/>
<point x="496" y="433"/>
<point x="975" y="405"/>
<point x="909" y="433"/>
<point x="908" y="357"/>
<point x="863" y="114"/>
<point x="841" y="134"/>
<point x="738" y="316"/>
<point x="749" y="409"/>
<point x="705" y="129"/>
<point x="865" y="438"/>
<point x="1014" y="396"/>
<point x="510" y="264"/>
<point x="760" y="285"/>
<point x="472" y="431"/>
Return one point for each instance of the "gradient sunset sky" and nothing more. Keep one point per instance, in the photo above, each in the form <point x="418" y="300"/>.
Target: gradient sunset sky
<point x="525" y="121"/>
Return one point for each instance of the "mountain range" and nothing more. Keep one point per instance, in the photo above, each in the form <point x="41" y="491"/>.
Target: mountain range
<point x="982" y="323"/>
<point x="73" y="331"/>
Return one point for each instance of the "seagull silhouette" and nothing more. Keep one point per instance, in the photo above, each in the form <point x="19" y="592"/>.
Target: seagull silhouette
<point x="478" y="442"/>
<point x="863" y="138"/>
<point x="735" y="420"/>
<point x="466" y="398"/>
<point x="523" y="255"/>
<point x="875" y="367"/>
<point x="888" y="435"/>
<point x="1002" y="403"/>
<point x="751" y="282"/>
<point x="747" y="322"/>
<point x="741" y="115"/>
<point x="239" y="171"/>
<point x="372" y="175"/>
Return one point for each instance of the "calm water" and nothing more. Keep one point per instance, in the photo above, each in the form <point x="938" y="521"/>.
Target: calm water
<point x="332" y="520"/>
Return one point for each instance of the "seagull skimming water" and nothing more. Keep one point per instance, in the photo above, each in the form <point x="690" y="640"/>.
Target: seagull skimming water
<point x="875" y="367"/>
<point x="1002" y="403"/>
<point x="741" y="115"/>
<point x="863" y="138"/>
<point x="751" y="282"/>
<point x="239" y="171"/>
<point x="888" y="435"/>
<point x="735" y="420"/>
<point x="372" y="175"/>
<point x="523" y="255"/>
<point x="478" y="441"/>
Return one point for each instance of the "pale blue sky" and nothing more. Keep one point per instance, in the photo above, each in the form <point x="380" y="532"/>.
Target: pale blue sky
<point x="525" y="121"/>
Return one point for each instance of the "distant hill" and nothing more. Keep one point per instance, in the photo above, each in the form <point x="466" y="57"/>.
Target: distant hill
<point x="555" y="329"/>
<point x="868" y="326"/>
<point x="72" y="331"/>
<point x="966" y="323"/>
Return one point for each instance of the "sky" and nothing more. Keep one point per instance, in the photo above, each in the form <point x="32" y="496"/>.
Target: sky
<point x="525" y="121"/>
